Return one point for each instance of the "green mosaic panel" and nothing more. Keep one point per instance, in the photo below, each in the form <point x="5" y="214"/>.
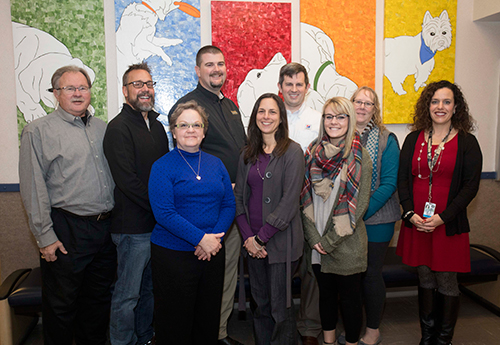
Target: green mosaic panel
<point x="80" y="26"/>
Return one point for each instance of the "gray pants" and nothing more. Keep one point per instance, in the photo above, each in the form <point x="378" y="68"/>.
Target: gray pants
<point x="273" y="322"/>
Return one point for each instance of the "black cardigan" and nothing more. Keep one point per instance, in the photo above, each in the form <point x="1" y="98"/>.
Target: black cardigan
<point x="131" y="149"/>
<point x="464" y="183"/>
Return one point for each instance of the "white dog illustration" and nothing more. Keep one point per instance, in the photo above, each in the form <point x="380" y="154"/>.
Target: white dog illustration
<point x="258" y="82"/>
<point x="414" y="55"/>
<point x="37" y="56"/>
<point x="318" y="57"/>
<point x="136" y="38"/>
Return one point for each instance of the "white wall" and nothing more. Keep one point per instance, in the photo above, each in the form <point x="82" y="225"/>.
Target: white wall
<point x="9" y="151"/>
<point x="477" y="71"/>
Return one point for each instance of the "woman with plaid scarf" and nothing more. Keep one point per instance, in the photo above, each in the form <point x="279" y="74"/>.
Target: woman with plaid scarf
<point x="334" y="199"/>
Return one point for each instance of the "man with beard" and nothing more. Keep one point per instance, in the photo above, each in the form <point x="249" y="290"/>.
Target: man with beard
<point x="66" y="188"/>
<point x="134" y="140"/>
<point x="224" y="139"/>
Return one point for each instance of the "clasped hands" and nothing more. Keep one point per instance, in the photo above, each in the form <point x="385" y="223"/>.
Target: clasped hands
<point x="254" y="249"/>
<point x="428" y="224"/>
<point x="209" y="246"/>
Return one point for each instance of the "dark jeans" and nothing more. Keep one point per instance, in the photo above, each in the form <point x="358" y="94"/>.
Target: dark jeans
<point x="346" y="289"/>
<point x="273" y="322"/>
<point x="188" y="294"/>
<point x="76" y="294"/>
<point x="374" y="285"/>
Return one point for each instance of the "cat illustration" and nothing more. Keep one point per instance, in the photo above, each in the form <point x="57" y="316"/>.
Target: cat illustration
<point x="414" y="55"/>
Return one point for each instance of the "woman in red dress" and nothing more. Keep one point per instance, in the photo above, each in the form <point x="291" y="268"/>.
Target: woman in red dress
<point x="439" y="173"/>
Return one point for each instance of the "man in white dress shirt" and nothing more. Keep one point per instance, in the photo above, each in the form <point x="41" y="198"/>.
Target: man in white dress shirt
<point x="303" y="127"/>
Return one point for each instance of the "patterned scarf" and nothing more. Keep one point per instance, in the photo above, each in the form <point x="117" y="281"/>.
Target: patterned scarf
<point x="323" y="166"/>
<point x="369" y="140"/>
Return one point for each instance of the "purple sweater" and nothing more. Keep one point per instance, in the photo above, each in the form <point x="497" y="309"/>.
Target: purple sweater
<point x="256" y="183"/>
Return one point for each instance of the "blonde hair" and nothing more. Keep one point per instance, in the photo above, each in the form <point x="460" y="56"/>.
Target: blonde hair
<point x="340" y="105"/>
<point x="377" y="117"/>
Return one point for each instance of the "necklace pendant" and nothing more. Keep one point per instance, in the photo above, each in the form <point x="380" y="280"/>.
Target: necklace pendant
<point x="419" y="176"/>
<point x="198" y="177"/>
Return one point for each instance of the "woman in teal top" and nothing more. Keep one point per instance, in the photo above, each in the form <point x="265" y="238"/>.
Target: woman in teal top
<point x="383" y="209"/>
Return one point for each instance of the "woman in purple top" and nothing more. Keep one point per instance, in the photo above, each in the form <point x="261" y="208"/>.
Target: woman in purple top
<point x="267" y="191"/>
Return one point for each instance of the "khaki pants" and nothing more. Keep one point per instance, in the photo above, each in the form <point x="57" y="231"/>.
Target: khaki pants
<point x="232" y="242"/>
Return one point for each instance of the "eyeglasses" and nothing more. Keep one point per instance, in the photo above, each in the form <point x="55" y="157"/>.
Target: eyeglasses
<point x="339" y="117"/>
<point x="71" y="89"/>
<point x="368" y="105"/>
<point x="139" y="84"/>
<point x="185" y="126"/>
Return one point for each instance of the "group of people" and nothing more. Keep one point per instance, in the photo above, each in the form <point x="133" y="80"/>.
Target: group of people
<point x="148" y="241"/>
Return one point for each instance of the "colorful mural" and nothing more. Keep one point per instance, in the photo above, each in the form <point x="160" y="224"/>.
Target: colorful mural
<point x="258" y="31"/>
<point x="419" y="48"/>
<point x="58" y="33"/>
<point x="350" y="25"/>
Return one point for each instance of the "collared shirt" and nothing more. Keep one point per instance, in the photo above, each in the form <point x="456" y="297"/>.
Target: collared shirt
<point x="62" y="165"/>
<point x="303" y="125"/>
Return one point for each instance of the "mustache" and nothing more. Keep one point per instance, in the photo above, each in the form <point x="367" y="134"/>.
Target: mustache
<point x="77" y="99"/>
<point x="219" y="74"/>
<point x="144" y="93"/>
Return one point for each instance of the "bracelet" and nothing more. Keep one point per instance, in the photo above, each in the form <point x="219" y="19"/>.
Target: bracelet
<point x="255" y="244"/>
<point x="259" y="241"/>
<point x="408" y="215"/>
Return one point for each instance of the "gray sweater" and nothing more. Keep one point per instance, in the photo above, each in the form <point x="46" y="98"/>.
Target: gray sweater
<point x="346" y="254"/>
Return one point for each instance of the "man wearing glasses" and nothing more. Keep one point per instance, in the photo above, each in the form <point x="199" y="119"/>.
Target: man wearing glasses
<point x="134" y="140"/>
<point x="224" y="139"/>
<point x="66" y="188"/>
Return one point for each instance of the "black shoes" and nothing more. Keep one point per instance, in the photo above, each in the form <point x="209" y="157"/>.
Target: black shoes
<point x="228" y="341"/>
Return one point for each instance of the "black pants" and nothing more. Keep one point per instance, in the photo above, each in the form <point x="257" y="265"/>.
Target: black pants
<point x="346" y="289"/>
<point x="188" y="294"/>
<point x="374" y="285"/>
<point x="76" y="296"/>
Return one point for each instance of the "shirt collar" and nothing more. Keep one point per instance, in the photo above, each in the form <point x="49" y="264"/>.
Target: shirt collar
<point x="71" y="118"/>
<point x="210" y="94"/>
<point x="298" y="112"/>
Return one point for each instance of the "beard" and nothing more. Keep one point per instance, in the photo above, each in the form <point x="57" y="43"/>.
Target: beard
<point x="219" y="85"/>
<point x="142" y="106"/>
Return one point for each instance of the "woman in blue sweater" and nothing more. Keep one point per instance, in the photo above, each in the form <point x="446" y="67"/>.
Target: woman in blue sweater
<point x="383" y="209"/>
<point x="193" y="203"/>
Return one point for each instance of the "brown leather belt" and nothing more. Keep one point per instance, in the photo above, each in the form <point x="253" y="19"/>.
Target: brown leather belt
<point x="98" y="217"/>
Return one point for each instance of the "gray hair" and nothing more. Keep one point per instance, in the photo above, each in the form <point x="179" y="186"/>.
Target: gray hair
<point x="72" y="69"/>
<point x="143" y="65"/>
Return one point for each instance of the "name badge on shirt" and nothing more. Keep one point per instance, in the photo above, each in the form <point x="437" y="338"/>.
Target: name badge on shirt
<point x="429" y="209"/>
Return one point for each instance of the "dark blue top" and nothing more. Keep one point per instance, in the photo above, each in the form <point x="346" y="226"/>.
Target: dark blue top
<point x="185" y="208"/>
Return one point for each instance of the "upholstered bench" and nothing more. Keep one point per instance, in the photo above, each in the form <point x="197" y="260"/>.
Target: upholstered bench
<point x="20" y="305"/>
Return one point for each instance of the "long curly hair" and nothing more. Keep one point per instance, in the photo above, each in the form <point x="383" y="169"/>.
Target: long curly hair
<point x="255" y="143"/>
<point x="461" y="119"/>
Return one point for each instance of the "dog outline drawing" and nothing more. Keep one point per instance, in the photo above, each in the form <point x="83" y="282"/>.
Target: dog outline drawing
<point x="414" y="55"/>
<point x="258" y="82"/>
<point x="136" y="39"/>
<point x="318" y="57"/>
<point x="38" y="55"/>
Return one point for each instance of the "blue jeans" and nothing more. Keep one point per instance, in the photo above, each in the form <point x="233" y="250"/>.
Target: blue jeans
<point x="133" y="303"/>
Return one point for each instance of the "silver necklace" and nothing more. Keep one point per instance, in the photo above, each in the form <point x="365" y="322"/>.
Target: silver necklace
<point x="198" y="177"/>
<point x="258" y="170"/>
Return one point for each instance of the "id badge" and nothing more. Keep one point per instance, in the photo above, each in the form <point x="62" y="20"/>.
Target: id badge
<point x="429" y="209"/>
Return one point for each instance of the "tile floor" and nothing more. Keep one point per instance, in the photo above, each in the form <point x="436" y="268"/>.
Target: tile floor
<point x="476" y="325"/>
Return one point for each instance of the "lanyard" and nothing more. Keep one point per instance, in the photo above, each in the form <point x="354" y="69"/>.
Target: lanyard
<point x="431" y="161"/>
